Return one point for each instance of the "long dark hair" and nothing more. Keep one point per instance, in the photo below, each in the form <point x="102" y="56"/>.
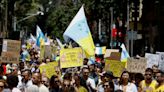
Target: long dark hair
<point x="121" y="80"/>
<point x="52" y="81"/>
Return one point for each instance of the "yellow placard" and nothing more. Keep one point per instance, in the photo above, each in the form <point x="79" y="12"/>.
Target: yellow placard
<point x="71" y="57"/>
<point x="115" y="66"/>
<point x="49" y="69"/>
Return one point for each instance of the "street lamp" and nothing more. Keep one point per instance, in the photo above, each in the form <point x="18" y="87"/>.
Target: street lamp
<point x="31" y="15"/>
<point x="22" y="33"/>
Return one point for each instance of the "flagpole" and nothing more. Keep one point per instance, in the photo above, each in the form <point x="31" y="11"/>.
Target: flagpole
<point x="127" y="40"/>
<point x="111" y="26"/>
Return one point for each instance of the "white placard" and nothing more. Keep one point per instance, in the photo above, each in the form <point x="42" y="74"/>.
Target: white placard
<point x="161" y="61"/>
<point x="152" y="59"/>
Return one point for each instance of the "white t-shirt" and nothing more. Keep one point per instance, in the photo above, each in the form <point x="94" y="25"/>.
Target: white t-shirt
<point x="92" y="83"/>
<point x="15" y="90"/>
<point x="131" y="87"/>
<point x="43" y="88"/>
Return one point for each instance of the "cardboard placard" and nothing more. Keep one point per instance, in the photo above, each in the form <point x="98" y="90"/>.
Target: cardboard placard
<point x="136" y="65"/>
<point x="11" y="46"/>
<point x="108" y="52"/>
<point x="49" y="69"/>
<point x="10" y="57"/>
<point x="42" y="50"/>
<point x="115" y="56"/>
<point x="48" y="51"/>
<point x="71" y="57"/>
<point x="115" y="66"/>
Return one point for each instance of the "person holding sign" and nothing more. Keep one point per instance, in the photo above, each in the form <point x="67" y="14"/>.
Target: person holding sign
<point x="125" y="85"/>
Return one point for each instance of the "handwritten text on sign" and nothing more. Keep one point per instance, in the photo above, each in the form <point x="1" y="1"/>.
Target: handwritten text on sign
<point x="136" y="65"/>
<point x="49" y="69"/>
<point x="10" y="57"/>
<point x="71" y="57"/>
<point x="115" y="66"/>
<point x="11" y="45"/>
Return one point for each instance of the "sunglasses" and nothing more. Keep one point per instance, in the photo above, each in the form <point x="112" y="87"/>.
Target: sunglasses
<point x="56" y="80"/>
<point x="1" y="86"/>
<point x="44" y="81"/>
<point x="147" y="74"/>
<point x="66" y="85"/>
<point x="105" y="86"/>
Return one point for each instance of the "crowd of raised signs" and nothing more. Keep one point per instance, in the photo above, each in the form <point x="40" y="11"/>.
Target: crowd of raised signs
<point x="90" y="77"/>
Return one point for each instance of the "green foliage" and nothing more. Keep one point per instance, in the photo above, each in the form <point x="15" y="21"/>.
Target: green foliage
<point x="60" y="18"/>
<point x="59" y="13"/>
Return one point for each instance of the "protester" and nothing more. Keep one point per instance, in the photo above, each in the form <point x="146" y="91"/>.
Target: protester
<point x="26" y="80"/>
<point x="87" y="82"/>
<point x="36" y="79"/>
<point x="2" y="85"/>
<point x="148" y="85"/>
<point x="32" y="88"/>
<point x="108" y="86"/>
<point x="77" y="85"/>
<point x="12" y="82"/>
<point x="85" y="61"/>
<point x="93" y="74"/>
<point x="21" y="66"/>
<point x="125" y="84"/>
<point x="109" y="77"/>
<point x="55" y="85"/>
<point x="160" y="80"/>
<point x="2" y="73"/>
<point x="45" y="81"/>
<point x="155" y="70"/>
<point x="138" y="78"/>
<point x="101" y="82"/>
<point x="66" y="86"/>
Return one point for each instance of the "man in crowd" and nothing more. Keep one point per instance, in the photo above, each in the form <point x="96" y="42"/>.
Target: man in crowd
<point x="86" y="81"/>
<point x="25" y="81"/>
<point x="160" y="80"/>
<point x="12" y="82"/>
<point x="148" y="85"/>
<point x="36" y="79"/>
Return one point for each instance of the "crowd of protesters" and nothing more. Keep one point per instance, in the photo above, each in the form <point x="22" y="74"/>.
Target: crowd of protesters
<point x="91" y="77"/>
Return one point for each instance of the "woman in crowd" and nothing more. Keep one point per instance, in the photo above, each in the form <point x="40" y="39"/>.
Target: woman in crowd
<point x="125" y="85"/>
<point x="54" y="84"/>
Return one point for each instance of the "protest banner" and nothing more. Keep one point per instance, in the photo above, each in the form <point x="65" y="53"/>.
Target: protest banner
<point x="161" y="60"/>
<point x="47" y="53"/>
<point x="11" y="46"/>
<point x="71" y="57"/>
<point x="136" y="65"/>
<point x="10" y="57"/>
<point x="49" y="69"/>
<point x="108" y="52"/>
<point x="152" y="59"/>
<point x="115" y="66"/>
